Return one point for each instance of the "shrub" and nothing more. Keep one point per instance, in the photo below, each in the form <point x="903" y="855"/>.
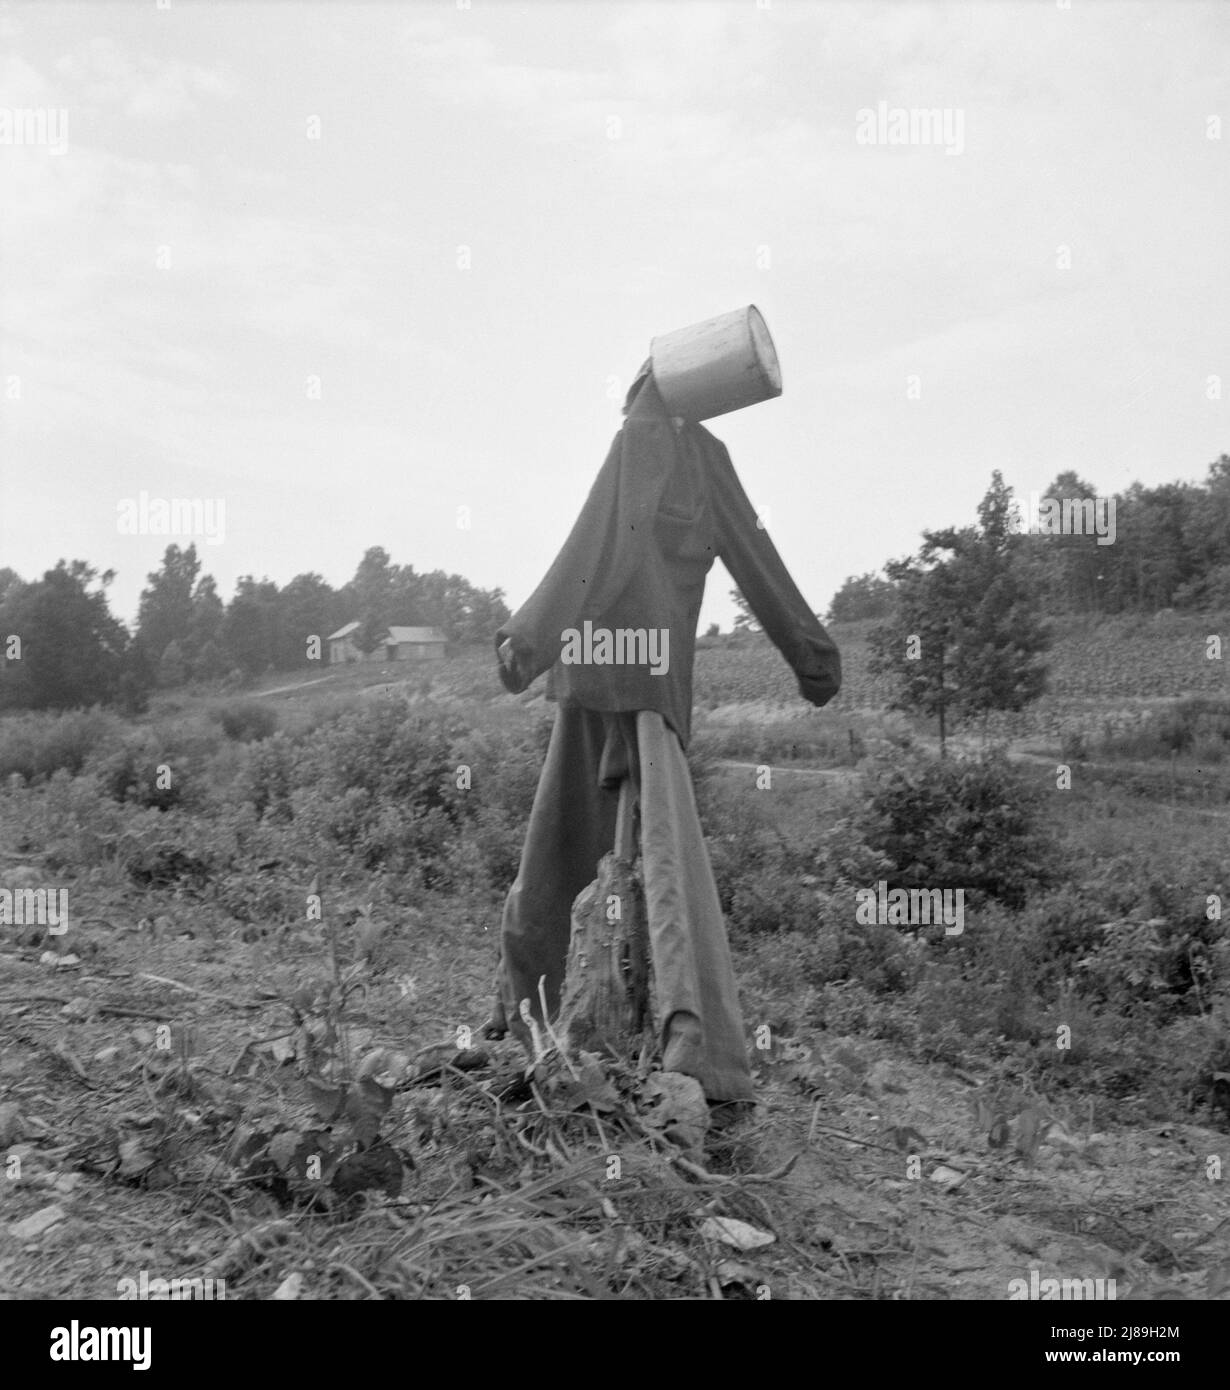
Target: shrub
<point x="876" y="957"/>
<point x="380" y="784"/>
<point x="846" y="860"/>
<point x="159" y="765"/>
<point x="1198" y="726"/>
<point x="1157" y="964"/>
<point x="35" y="746"/>
<point x="246" y="720"/>
<point x="129" y="772"/>
<point x="759" y="867"/>
<point x="963" y="823"/>
<point x="267" y="778"/>
<point x="505" y="767"/>
<point x="765" y="896"/>
<point x="68" y="820"/>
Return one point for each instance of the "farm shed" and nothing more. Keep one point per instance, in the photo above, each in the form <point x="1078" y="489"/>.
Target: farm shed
<point x="414" y="644"/>
<point x="342" y="645"/>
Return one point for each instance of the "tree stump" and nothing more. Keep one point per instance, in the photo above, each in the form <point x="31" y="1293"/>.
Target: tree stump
<point x="605" y="999"/>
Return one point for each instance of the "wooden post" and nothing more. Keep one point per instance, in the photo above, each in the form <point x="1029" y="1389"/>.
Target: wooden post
<point x="605" y="1003"/>
<point x="626" y="818"/>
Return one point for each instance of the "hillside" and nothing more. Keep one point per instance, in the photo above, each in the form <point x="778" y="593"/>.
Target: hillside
<point x="1099" y="671"/>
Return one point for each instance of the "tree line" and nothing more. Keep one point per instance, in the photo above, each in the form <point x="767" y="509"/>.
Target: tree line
<point x="961" y="625"/>
<point x="62" y="646"/>
<point x="1171" y="549"/>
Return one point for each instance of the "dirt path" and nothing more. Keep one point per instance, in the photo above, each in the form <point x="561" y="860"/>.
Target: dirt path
<point x="831" y="774"/>
<point x="299" y="685"/>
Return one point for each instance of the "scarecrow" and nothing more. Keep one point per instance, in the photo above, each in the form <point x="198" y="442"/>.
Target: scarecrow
<point x="614" y="622"/>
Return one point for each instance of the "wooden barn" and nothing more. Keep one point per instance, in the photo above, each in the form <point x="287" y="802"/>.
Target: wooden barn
<point x="397" y="644"/>
<point x="342" y="645"/>
<point x="414" y="644"/>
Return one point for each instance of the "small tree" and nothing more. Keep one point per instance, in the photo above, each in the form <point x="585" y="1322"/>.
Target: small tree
<point x="965" y="636"/>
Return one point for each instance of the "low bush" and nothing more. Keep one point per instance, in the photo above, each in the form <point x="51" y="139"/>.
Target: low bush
<point x="36" y="746"/>
<point x="246" y="719"/>
<point x="1197" y="728"/>
<point x="971" y="823"/>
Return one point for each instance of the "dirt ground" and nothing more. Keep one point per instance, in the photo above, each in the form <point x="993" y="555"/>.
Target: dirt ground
<point x="908" y="1181"/>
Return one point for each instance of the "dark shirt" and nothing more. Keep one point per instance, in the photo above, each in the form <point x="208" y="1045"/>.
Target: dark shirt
<point x="665" y="504"/>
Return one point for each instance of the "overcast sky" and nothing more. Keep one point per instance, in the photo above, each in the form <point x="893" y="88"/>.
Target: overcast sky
<point x="174" y="276"/>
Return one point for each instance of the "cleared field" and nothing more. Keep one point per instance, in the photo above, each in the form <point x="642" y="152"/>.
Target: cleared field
<point x="292" y="1035"/>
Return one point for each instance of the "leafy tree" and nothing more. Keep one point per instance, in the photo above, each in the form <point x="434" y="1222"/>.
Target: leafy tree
<point x="372" y="598"/>
<point x="1160" y="562"/>
<point x="208" y="617"/>
<point x="383" y="594"/>
<point x="864" y="596"/>
<point x="1171" y="548"/>
<point x="966" y="635"/>
<point x="210" y="663"/>
<point x="307" y="606"/>
<point x="1209" y="529"/>
<point x="73" y="651"/>
<point x="1065" y="571"/>
<point x="371" y="635"/>
<point x="172" y="668"/>
<point x="452" y="604"/>
<point x="250" y="629"/>
<point x="165" y="612"/>
<point x="485" y="614"/>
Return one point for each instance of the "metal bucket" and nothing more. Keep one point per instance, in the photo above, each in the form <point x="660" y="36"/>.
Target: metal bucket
<point x="717" y="366"/>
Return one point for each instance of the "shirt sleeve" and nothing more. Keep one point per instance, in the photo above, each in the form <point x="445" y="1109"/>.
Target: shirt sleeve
<point x="756" y="567"/>
<point x="601" y="554"/>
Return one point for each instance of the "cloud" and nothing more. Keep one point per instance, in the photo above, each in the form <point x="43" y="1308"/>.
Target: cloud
<point x="461" y="69"/>
<point x="103" y="73"/>
<point x="21" y="83"/>
<point x="105" y="336"/>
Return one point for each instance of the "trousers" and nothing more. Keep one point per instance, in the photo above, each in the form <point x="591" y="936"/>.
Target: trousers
<point x="572" y="825"/>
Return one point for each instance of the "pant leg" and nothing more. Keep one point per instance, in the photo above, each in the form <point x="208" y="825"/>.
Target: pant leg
<point x="692" y="968"/>
<point x="572" y="825"/>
